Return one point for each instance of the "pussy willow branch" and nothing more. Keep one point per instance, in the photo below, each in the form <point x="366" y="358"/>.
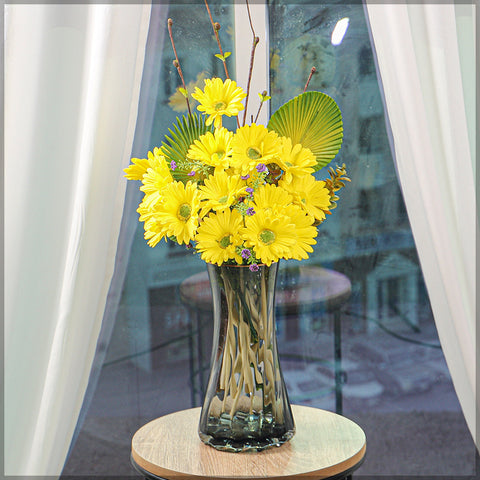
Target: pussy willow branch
<point x="312" y="71"/>
<point x="176" y="62"/>
<point x="264" y="93"/>
<point x="250" y="18"/>
<point x="252" y="56"/>
<point x="216" y="28"/>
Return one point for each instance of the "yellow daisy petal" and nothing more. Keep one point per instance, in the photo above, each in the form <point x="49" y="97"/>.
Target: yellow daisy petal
<point x="137" y="169"/>
<point x="156" y="178"/>
<point x="139" y="166"/>
<point x="305" y="233"/>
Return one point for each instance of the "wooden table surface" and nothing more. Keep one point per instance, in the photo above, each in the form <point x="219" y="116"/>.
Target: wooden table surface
<point x="325" y="445"/>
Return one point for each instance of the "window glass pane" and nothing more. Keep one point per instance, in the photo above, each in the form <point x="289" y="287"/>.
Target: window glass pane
<point x="397" y="385"/>
<point x="395" y="380"/>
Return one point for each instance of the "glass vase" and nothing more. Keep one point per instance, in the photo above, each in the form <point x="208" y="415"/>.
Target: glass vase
<point x="246" y="405"/>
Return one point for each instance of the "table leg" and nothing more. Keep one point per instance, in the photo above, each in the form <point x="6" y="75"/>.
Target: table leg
<point x="337" y="338"/>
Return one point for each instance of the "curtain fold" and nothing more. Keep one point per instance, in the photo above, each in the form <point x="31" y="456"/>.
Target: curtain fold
<point x="133" y="196"/>
<point x="427" y="69"/>
<point x="72" y="81"/>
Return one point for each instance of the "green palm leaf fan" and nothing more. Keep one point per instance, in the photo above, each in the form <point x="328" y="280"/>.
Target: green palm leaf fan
<point x="175" y="147"/>
<point x="314" y="120"/>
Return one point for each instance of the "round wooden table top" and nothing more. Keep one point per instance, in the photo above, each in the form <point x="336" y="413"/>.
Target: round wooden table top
<point x="325" y="445"/>
<point x="312" y="286"/>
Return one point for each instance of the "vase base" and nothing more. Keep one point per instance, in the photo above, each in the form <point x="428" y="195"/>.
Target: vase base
<point x="248" y="444"/>
<point x="217" y="438"/>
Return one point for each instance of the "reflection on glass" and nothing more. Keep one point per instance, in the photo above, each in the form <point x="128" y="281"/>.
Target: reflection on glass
<point x="339" y="31"/>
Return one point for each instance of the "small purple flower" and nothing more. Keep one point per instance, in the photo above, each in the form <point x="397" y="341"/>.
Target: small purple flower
<point x="192" y="173"/>
<point x="254" y="267"/>
<point x="261" y="168"/>
<point x="246" y="253"/>
<point x="249" y="190"/>
<point x="245" y="177"/>
<point x="173" y="165"/>
<point x="250" y="211"/>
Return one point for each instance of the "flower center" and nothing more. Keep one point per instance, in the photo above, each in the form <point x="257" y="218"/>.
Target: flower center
<point x="267" y="237"/>
<point x="220" y="106"/>
<point x="218" y="156"/>
<point x="184" y="211"/>
<point x="225" y="241"/>
<point x="253" y="153"/>
<point x="223" y="200"/>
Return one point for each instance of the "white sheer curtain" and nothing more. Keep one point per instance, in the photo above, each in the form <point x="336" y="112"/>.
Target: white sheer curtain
<point x="72" y="80"/>
<point x="426" y="59"/>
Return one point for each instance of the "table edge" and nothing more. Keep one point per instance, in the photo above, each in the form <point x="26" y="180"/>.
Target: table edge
<point x="331" y="472"/>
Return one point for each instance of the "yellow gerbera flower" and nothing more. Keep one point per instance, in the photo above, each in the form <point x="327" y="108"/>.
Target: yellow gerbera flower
<point x="271" y="236"/>
<point x="213" y="148"/>
<point x="310" y="194"/>
<point x="271" y="196"/>
<point x="305" y="233"/>
<point x="155" y="179"/>
<point x="295" y="160"/>
<point x="252" y="145"/>
<point x="155" y="230"/>
<point x="178" y="211"/>
<point x="221" y="191"/>
<point x="139" y="166"/>
<point x="218" y="237"/>
<point x="145" y="209"/>
<point x="219" y="98"/>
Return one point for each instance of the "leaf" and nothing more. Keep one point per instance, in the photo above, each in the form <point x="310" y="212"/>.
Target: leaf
<point x="264" y="98"/>
<point x="314" y="120"/>
<point x="224" y="56"/>
<point x="175" y="147"/>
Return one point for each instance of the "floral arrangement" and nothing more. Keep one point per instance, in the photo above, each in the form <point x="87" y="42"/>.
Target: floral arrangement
<point x="243" y="197"/>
